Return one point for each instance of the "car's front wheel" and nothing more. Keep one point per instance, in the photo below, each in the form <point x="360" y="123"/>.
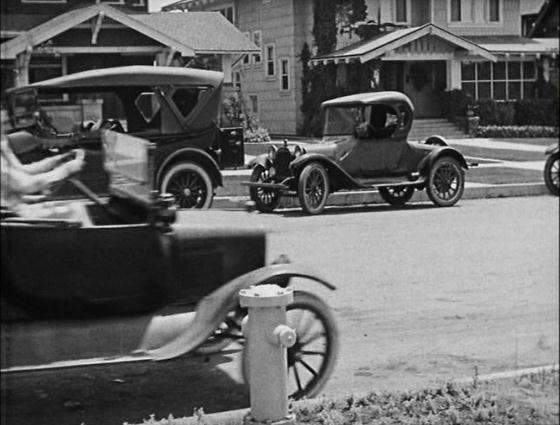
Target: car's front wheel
<point x="551" y="175"/>
<point x="313" y="188"/>
<point x="266" y="200"/>
<point x="396" y="195"/>
<point x="190" y="185"/>
<point x="446" y="182"/>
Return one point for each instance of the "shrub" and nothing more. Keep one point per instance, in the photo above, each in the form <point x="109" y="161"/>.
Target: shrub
<point x="495" y="113"/>
<point x="455" y="103"/>
<point x="517" y="131"/>
<point x="235" y="112"/>
<point x="536" y="112"/>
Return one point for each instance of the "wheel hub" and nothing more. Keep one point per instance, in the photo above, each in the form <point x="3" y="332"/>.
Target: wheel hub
<point x="187" y="191"/>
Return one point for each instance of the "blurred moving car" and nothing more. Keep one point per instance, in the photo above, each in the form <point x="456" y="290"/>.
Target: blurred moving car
<point x="364" y="146"/>
<point x="551" y="171"/>
<point x="174" y="108"/>
<point x="138" y="285"/>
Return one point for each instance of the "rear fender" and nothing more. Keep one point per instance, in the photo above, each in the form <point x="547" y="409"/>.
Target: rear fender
<point x="427" y="162"/>
<point x="338" y="177"/>
<point x="195" y="155"/>
<point x="165" y="339"/>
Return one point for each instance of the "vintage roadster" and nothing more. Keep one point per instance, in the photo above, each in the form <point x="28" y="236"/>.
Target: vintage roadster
<point x="175" y="108"/>
<point x="364" y="146"/>
<point x="138" y="285"/>
<point x="551" y="169"/>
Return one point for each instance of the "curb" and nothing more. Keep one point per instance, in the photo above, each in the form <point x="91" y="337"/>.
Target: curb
<point x="349" y="198"/>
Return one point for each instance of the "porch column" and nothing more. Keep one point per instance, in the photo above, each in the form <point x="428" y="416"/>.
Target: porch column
<point x="22" y="68"/>
<point x="453" y="74"/>
<point x="226" y="67"/>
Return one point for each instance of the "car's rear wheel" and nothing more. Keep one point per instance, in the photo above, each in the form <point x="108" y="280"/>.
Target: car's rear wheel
<point x="551" y="175"/>
<point x="396" y="195"/>
<point x="446" y="182"/>
<point x="313" y="188"/>
<point x="266" y="200"/>
<point x="189" y="184"/>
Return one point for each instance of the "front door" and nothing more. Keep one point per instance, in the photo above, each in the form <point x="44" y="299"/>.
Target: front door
<point x="424" y="81"/>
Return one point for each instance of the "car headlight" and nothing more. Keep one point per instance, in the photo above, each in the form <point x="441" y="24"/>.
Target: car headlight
<point x="271" y="154"/>
<point x="298" y="151"/>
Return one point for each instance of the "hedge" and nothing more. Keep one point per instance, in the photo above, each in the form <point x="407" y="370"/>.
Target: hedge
<point x="539" y="112"/>
<point x="515" y="131"/>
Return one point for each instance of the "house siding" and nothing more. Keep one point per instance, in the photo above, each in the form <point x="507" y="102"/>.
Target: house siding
<point x="277" y="110"/>
<point x="510" y="23"/>
<point x="17" y="7"/>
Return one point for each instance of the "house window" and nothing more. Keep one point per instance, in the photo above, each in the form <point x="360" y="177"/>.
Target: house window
<point x="139" y="3"/>
<point x="247" y="58"/>
<point x="494" y="10"/>
<point x="401" y="11"/>
<point x="284" y="74"/>
<point x="257" y="39"/>
<point x="455" y="10"/>
<point x="270" y="58"/>
<point x="227" y="12"/>
<point x="254" y="102"/>
<point x="506" y="80"/>
<point x="43" y="1"/>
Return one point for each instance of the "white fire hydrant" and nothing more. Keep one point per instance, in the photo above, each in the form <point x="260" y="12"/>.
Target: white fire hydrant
<point x="268" y="338"/>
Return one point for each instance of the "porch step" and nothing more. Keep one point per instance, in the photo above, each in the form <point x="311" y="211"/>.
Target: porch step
<point x="425" y="127"/>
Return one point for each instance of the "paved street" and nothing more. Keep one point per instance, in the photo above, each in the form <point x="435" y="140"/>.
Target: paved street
<point x="424" y="294"/>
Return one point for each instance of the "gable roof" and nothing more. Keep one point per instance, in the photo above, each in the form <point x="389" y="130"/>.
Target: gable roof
<point x="183" y="32"/>
<point x="367" y="50"/>
<point x="193" y="27"/>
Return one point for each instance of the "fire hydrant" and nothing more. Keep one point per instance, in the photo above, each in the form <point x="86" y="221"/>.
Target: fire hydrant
<point x="268" y="338"/>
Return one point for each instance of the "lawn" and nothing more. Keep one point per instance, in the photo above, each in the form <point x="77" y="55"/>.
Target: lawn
<point x="503" y="175"/>
<point x="528" y="399"/>
<point x="501" y="154"/>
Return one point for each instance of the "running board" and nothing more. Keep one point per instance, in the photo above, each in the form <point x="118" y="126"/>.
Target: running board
<point x="78" y="363"/>
<point x="269" y="186"/>
<point x="375" y="183"/>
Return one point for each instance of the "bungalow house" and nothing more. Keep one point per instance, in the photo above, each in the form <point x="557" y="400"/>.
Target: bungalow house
<point x="425" y="47"/>
<point x="42" y="39"/>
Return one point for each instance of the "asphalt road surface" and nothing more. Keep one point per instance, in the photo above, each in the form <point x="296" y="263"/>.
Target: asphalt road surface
<point x="424" y="295"/>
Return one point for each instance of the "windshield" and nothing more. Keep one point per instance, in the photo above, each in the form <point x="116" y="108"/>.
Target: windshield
<point x="23" y="105"/>
<point x="341" y="120"/>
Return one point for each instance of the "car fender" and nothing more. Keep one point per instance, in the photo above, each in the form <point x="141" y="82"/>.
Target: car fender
<point x="167" y="337"/>
<point x="436" y="140"/>
<point x="261" y="160"/>
<point x="552" y="149"/>
<point x="426" y="163"/>
<point x="339" y="178"/>
<point x="196" y="155"/>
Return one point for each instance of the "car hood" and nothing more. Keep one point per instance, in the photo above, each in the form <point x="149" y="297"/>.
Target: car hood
<point x="333" y="147"/>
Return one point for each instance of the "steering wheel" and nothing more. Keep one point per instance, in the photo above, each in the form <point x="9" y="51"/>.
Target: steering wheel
<point x="44" y="123"/>
<point x="112" y="124"/>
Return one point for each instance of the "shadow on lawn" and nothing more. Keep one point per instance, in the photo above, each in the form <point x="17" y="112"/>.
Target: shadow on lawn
<point x="122" y="393"/>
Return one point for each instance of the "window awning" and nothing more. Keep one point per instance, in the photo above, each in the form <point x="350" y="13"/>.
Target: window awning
<point x="186" y="33"/>
<point x="407" y="40"/>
